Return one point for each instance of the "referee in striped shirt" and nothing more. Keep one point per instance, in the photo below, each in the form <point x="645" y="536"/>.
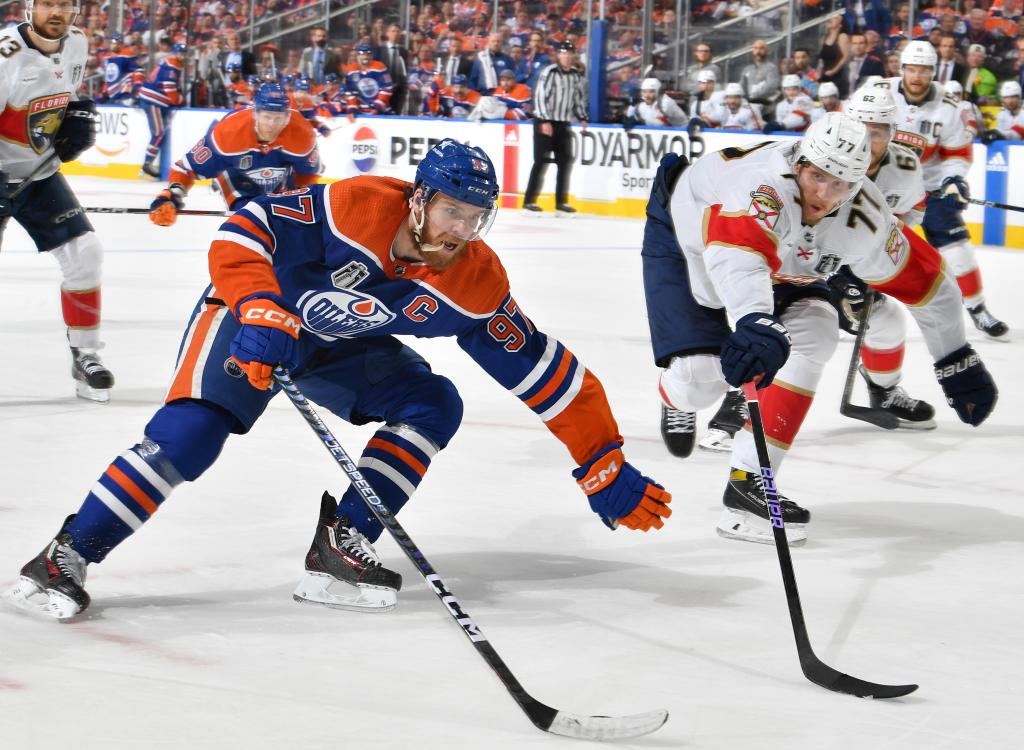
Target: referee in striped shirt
<point x="559" y="98"/>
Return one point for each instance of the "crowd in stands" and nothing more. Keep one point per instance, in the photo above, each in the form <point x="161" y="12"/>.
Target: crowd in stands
<point x="451" y="61"/>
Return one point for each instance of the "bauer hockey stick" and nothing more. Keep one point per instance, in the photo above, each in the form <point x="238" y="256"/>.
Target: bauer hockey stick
<point x="878" y="417"/>
<point x="814" y="669"/>
<point x="180" y="212"/>
<point x="544" y="717"/>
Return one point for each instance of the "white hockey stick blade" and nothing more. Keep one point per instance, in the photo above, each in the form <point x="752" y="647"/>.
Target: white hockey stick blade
<point x="607" y="728"/>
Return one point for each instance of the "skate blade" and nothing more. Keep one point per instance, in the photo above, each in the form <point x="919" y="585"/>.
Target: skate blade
<point x="97" y="395"/>
<point x="328" y="591"/>
<point x="927" y="424"/>
<point x="718" y="441"/>
<point x="28" y="596"/>
<point x="747" y="527"/>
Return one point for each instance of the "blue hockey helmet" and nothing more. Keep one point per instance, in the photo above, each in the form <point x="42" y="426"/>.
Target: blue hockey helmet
<point x="459" y="80"/>
<point x="179" y="48"/>
<point x="363" y="48"/>
<point x="231" y="67"/>
<point x="303" y="84"/>
<point x="462" y="172"/>
<point x="331" y="78"/>
<point x="116" y="38"/>
<point x="271" y="98"/>
<point x="288" y="81"/>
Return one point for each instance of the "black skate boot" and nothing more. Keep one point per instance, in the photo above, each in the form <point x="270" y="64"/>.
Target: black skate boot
<point x="729" y="418"/>
<point x="745" y="516"/>
<point x="150" y="170"/>
<point x="988" y="323"/>
<point x="913" y="413"/>
<point x="678" y="430"/>
<point x="53" y="582"/>
<point x="93" y="380"/>
<point x="342" y="558"/>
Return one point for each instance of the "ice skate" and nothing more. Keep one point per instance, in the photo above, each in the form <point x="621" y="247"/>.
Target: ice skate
<point x="678" y="430"/>
<point x="913" y="413"/>
<point x="564" y="211"/>
<point x="989" y="324"/>
<point x="745" y="515"/>
<point x="729" y="418"/>
<point x="53" y="583"/>
<point x="150" y="171"/>
<point x="93" y="380"/>
<point x="343" y="570"/>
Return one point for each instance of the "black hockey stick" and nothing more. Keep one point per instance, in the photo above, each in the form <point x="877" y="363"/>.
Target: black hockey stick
<point x="181" y="211"/>
<point x="814" y="669"/>
<point x="878" y="417"/>
<point x="985" y="203"/>
<point x="543" y="717"/>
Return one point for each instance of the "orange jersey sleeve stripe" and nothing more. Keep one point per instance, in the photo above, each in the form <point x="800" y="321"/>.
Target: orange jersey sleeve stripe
<point x="556" y="380"/>
<point x="921" y="275"/>
<point x="741" y="231"/>
<point x="237" y="272"/>
<point x="586" y="425"/>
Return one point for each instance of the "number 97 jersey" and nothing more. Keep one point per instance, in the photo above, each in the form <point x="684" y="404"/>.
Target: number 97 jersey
<point x="35" y="90"/>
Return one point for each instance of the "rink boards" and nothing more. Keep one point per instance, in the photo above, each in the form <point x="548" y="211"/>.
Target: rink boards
<point x="611" y="174"/>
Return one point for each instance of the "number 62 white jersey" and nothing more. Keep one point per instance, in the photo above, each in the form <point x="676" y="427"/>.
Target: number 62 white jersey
<point x="35" y="89"/>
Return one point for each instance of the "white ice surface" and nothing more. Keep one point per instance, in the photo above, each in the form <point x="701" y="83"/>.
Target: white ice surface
<point x="912" y="572"/>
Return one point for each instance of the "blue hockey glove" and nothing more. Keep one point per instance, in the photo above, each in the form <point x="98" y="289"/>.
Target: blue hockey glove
<point x="620" y="494"/>
<point x="847" y="293"/>
<point x="759" y="346"/>
<point x="772" y="126"/>
<point x="270" y="328"/>
<point x="955" y="193"/>
<point x="968" y="386"/>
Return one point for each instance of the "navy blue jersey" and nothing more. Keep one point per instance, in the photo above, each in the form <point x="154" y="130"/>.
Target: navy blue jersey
<point x="326" y="249"/>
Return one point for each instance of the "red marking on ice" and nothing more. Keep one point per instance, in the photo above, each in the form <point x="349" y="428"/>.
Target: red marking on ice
<point x="6" y="684"/>
<point x="148" y="648"/>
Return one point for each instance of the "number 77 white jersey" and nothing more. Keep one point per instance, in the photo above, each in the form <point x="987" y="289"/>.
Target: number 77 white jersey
<point x="35" y="89"/>
<point x="934" y="130"/>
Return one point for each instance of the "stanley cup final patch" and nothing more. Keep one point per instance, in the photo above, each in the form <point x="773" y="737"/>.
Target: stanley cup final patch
<point x="765" y="206"/>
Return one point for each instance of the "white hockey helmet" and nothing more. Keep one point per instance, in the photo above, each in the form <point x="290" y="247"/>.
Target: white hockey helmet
<point x="827" y="89"/>
<point x="954" y="88"/>
<point x="1009" y="88"/>
<point x="76" y="8"/>
<point x="872" y="104"/>
<point x="919" y="53"/>
<point x="791" y="81"/>
<point x="650" y="84"/>
<point x="734" y="89"/>
<point x="839" y="145"/>
<point x="706" y="75"/>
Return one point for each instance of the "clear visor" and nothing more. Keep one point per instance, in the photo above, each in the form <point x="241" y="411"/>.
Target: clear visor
<point x="60" y="6"/>
<point x="830" y="188"/>
<point x="463" y="221"/>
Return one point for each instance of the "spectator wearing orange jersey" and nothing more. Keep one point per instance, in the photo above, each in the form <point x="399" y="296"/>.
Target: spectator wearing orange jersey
<point x="458" y="99"/>
<point x="514" y="95"/>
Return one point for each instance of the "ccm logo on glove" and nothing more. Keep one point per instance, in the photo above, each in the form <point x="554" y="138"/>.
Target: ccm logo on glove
<point x="273" y="316"/>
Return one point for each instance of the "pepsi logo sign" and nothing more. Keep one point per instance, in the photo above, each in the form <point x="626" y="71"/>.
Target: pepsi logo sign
<point x="364" y="149"/>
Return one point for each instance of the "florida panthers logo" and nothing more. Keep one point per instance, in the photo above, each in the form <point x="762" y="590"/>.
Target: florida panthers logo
<point x="342" y="313"/>
<point x="45" y="115"/>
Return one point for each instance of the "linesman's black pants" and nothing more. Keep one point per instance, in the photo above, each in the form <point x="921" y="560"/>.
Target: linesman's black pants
<point x="560" y="143"/>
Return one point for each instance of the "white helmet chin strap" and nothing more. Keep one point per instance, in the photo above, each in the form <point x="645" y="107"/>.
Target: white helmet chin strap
<point x="419" y="222"/>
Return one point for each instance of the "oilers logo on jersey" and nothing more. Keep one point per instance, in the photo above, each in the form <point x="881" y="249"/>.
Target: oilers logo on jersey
<point x="342" y="314"/>
<point x="367" y="85"/>
<point x="45" y="115"/>
<point x="269" y="179"/>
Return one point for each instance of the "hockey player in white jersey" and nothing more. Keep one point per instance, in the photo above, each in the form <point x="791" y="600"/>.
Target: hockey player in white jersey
<point x="654" y="108"/>
<point x="708" y="105"/>
<point x="42" y="123"/>
<point x="896" y="172"/>
<point x="969" y="112"/>
<point x="1010" y="120"/>
<point x="793" y="111"/>
<point x="828" y="101"/>
<point x="929" y="122"/>
<point x="738" y="114"/>
<point x="743" y="299"/>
